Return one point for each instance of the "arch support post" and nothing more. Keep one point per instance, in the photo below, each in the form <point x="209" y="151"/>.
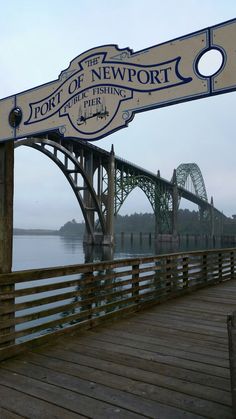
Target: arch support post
<point x="108" y="238"/>
<point x="157" y="209"/>
<point x="174" y="205"/>
<point x="201" y="220"/>
<point x="212" y="219"/>
<point x="88" y="205"/>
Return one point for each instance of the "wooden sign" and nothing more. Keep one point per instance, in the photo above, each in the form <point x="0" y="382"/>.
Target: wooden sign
<point x="103" y="88"/>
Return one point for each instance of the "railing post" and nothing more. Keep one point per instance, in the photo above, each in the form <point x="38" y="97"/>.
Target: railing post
<point x="131" y="239"/>
<point x="135" y="282"/>
<point x="6" y="205"/>
<point x="6" y="225"/>
<point x="86" y="281"/>
<point x="232" y="262"/>
<point x="220" y="266"/>
<point x="168" y="275"/>
<point x="204" y="267"/>
<point x="231" y="323"/>
<point x="150" y="239"/>
<point x="122" y="239"/>
<point x="140" y="238"/>
<point x="185" y="272"/>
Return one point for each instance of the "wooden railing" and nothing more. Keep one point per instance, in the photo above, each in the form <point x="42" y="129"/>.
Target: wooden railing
<point x="231" y="326"/>
<point x="36" y="305"/>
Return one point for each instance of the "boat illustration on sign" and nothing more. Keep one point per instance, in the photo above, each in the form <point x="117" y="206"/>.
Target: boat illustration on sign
<point x="100" y="113"/>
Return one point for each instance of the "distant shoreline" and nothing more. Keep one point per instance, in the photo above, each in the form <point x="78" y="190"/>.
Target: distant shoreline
<point x="35" y="232"/>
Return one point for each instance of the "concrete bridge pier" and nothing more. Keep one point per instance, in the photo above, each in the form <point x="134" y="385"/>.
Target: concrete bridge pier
<point x="108" y="237"/>
<point x="175" y="203"/>
<point x="97" y="236"/>
<point x="212" y="218"/>
<point x="157" y="209"/>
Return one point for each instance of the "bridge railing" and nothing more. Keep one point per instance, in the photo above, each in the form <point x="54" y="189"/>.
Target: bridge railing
<point x="36" y="305"/>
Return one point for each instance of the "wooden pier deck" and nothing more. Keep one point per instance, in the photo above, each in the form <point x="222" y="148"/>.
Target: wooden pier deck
<point x="170" y="361"/>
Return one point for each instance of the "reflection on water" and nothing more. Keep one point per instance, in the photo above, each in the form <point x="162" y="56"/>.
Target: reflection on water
<point x="46" y="251"/>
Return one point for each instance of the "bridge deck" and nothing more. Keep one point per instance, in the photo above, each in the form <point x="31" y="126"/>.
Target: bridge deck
<point x="168" y="362"/>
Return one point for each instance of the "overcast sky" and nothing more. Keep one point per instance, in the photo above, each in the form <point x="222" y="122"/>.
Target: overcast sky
<point x="38" y="41"/>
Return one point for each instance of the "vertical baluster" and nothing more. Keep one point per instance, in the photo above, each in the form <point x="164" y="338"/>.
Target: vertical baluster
<point x="135" y="282"/>
<point x="185" y="272"/>
<point x="232" y="264"/>
<point x="220" y="266"/>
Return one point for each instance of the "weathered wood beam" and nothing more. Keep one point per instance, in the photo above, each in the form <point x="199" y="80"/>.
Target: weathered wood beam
<point x="6" y="205"/>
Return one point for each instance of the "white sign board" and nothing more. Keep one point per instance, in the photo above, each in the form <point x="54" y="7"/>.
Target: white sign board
<point x="103" y="88"/>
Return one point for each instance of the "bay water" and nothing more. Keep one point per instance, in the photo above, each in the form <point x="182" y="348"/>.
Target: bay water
<point x="42" y="251"/>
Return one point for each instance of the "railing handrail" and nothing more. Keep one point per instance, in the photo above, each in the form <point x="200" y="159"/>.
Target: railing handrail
<point x="54" y="271"/>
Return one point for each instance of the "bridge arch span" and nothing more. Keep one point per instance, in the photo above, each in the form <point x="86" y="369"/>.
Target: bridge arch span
<point x="125" y="186"/>
<point x="191" y="170"/>
<point x="71" y="168"/>
<point x="158" y="195"/>
<point x="102" y="181"/>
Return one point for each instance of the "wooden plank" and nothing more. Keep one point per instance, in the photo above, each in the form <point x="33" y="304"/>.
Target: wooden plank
<point x="194" y="312"/>
<point x="135" y="368"/>
<point x="6" y="414"/>
<point x="169" y="317"/>
<point x="161" y="342"/>
<point x="147" y="406"/>
<point x="200" y="305"/>
<point x="176" y="338"/>
<point x="73" y="402"/>
<point x="203" y="333"/>
<point x="215" y="299"/>
<point x="203" y="306"/>
<point x="20" y="403"/>
<point x="231" y="326"/>
<point x="117" y="350"/>
<point x="162" y="349"/>
<point x="134" y="381"/>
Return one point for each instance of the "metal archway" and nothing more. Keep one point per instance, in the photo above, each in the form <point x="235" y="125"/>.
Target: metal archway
<point x="191" y="170"/>
<point x="158" y="194"/>
<point x="73" y="169"/>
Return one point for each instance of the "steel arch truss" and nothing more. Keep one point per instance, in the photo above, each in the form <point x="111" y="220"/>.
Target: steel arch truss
<point x="101" y="183"/>
<point x="157" y="193"/>
<point x="191" y="170"/>
<point x="79" y="167"/>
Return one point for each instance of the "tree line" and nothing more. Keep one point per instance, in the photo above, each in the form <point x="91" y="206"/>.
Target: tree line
<point x="188" y="223"/>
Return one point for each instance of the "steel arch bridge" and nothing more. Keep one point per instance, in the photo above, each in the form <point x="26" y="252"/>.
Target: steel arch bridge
<point x="101" y="183"/>
<point x="191" y="171"/>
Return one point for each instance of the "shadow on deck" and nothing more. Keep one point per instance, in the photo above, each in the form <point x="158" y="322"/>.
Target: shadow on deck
<point x="170" y="361"/>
